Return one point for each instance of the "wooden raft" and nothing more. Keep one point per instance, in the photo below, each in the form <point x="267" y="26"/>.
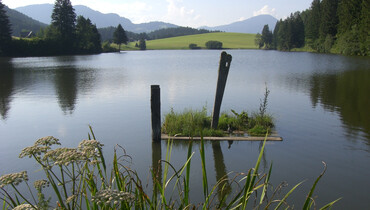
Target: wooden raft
<point x="225" y="138"/>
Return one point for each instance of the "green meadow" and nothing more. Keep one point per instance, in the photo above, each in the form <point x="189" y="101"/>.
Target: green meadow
<point x="229" y="40"/>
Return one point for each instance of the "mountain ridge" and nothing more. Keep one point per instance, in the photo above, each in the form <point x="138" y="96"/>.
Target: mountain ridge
<point x="20" y="21"/>
<point x="251" y="25"/>
<point x="42" y="13"/>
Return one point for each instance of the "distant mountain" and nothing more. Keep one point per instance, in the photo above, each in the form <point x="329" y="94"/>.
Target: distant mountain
<point x="252" y="25"/>
<point x="42" y="12"/>
<point x="21" y="22"/>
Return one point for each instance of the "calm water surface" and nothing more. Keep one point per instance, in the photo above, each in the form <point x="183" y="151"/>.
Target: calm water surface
<point x="321" y="104"/>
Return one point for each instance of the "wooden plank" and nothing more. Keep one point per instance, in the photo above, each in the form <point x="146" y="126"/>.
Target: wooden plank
<point x="226" y="138"/>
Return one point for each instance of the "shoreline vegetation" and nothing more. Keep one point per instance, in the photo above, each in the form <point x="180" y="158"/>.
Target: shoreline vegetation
<point x="195" y="123"/>
<point x="80" y="179"/>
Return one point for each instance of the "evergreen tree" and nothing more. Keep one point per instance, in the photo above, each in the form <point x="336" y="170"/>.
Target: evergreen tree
<point x="275" y="34"/>
<point x="297" y="30"/>
<point x="348" y="14"/>
<point x="329" y="18"/>
<point x="5" y="31"/>
<point x="119" y="36"/>
<point x="266" y="37"/>
<point x="142" y="44"/>
<point x="64" y="22"/>
<point x="314" y="18"/>
<point x="88" y="37"/>
<point x="365" y="28"/>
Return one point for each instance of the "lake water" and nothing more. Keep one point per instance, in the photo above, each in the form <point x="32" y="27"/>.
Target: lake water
<point x="321" y="104"/>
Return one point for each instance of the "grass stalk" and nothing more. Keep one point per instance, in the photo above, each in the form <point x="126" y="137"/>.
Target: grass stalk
<point x="204" y="170"/>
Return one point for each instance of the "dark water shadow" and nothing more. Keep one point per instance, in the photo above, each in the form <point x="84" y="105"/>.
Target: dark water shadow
<point x="6" y="86"/>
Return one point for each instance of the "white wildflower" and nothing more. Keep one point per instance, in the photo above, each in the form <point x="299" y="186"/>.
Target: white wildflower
<point x="23" y="207"/>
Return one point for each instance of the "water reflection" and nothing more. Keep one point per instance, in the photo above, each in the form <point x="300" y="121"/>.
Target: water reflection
<point x="156" y="165"/>
<point x="224" y="187"/>
<point x="347" y="94"/>
<point x="6" y="86"/>
<point x="66" y="88"/>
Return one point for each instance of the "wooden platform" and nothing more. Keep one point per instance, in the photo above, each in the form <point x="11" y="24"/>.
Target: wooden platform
<point x="226" y="138"/>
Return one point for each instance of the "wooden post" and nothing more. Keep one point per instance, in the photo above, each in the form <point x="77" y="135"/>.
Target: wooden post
<point x="155" y="102"/>
<point x="223" y="71"/>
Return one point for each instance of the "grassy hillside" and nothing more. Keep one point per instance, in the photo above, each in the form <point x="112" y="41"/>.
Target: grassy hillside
<point x="229" y="40"/>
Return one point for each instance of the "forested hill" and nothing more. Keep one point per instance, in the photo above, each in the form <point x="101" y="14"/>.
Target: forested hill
<point x="107" y="33"/>
<point x="328" y="26"/>
<point x="21" y="22"/>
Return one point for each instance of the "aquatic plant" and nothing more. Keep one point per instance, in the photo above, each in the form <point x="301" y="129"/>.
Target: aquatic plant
<point x="78" y="184"/>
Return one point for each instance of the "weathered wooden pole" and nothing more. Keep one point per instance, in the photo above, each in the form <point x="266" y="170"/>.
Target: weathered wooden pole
<point x="223" y="71"/>
<point x="155" y="102"/>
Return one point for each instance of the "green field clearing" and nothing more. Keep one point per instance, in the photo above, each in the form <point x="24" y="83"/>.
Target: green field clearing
<point x="229" y="40"/>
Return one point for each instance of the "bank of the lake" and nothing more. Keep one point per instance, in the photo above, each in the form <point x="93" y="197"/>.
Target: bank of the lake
<point x="320" y="103"/>
<point x="229" y="41"/>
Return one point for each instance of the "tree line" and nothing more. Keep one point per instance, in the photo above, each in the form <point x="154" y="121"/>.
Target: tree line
<point x="67" y="34"/>
<point x="107" y="33"/>
<point x="337" y="26"/>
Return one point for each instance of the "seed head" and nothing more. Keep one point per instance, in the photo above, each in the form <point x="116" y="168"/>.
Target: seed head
<point x="39" y="184"/>
<point x="14" y="178"/>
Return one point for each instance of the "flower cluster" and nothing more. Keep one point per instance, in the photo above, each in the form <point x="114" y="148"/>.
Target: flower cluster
<point x="41" y="146"/>
<point x="108" y="197"/>
<point x="24" y="207"/>
<point x="14" y="178"/>
<point x="47" y="141"/>
<point x="90" y="147"/>
<point x="39" y="184"/>
<point x="69" y="156"/>
<point x="33" y="150"/>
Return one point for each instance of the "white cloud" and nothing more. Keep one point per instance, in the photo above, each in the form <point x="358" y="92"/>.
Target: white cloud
<point x="179" y="14"/>
<point x="265" y="10"/>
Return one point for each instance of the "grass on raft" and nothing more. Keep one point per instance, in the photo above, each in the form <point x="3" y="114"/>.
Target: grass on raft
<point x="197" y="123"/>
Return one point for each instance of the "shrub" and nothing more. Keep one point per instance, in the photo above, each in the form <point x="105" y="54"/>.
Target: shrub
<point x="214" y="45"/>
<point x="193" y="46"/>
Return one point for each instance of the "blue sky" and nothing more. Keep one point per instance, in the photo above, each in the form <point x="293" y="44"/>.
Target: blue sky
<point x="193" y="13"/>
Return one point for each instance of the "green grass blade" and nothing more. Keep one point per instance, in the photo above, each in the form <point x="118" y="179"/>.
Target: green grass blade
<point x="116" y="171"/>
<point x="249" y="184"/>
<point x="329" y="205"/>
<point x="287" y="195"/>
<point x="266" y="184"/>
<point x="99" y="150"/>
<point x="187" y="176"/>
<point x="308" y="199"/>
<point x="204" y="171"/>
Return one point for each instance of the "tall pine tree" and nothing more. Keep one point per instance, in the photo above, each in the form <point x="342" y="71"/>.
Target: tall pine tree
<point x="348" y="14"/>
<point x="5" y="31"/>
<point x="365" y="28"/>
<point x="119" y="36"/>
<point x="314" y="18"/>
<point x="88" y="37"/>
<point x="64" y="22"/>
<point x="329" y="18"/>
